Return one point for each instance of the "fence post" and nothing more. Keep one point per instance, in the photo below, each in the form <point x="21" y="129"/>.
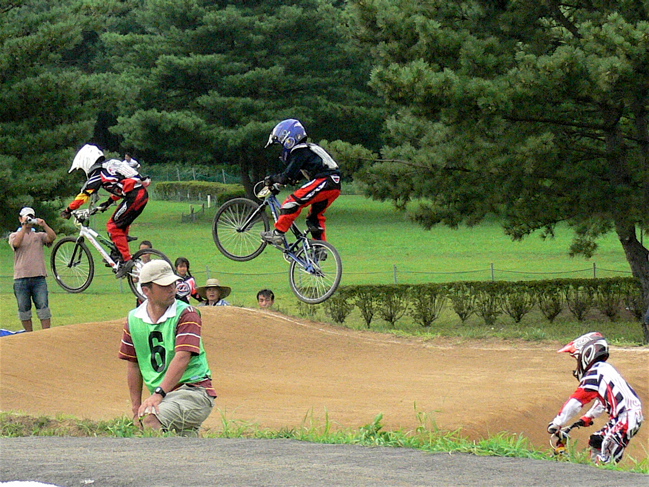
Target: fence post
<point x="395" y="274"/>
<point x="594" y="270"/>
<point x="209" y="201"/>
<point x="493" y="275"/>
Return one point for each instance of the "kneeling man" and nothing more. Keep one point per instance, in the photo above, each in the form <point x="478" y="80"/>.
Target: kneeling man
<point x="162" y="345"/>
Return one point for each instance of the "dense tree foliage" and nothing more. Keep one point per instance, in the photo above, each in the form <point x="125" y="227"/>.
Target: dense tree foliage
<point x="537" y="111"/>
<point x="213" y="79"/>
<point x="181" y="81"/>
<point x="49" y="99"/>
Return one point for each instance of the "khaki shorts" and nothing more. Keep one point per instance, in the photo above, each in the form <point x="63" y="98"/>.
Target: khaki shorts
<point x="185" y="409"/>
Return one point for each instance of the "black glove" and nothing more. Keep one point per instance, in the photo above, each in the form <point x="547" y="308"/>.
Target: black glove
<point x="268" y="181"/>
<point x="580" y="424"/>
<point x="104" y="206"/>
<point x="67" y="213"/>
<point x="553" y="428"/>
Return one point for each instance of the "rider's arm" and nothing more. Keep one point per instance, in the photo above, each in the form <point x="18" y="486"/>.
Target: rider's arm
<point x="296" y="160"/>
<point x="92" y="186"/>
<point x="595" y="412"/>
<point x="573" y="406"/>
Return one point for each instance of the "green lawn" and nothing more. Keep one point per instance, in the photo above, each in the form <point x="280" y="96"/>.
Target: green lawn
<point x="377" y="244"/>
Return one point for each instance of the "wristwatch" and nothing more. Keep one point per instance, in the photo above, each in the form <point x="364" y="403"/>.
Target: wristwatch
<point x="160" y="390"/>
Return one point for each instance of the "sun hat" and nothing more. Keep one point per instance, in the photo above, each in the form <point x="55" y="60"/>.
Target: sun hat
<point x="158" y="272"/>
<point x="27" y="211"/>
<point x="225" y="290"/>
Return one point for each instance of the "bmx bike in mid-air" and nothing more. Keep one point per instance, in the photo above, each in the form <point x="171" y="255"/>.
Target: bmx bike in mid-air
<point x="315" y="265"/>
<point x="74" y="267"/>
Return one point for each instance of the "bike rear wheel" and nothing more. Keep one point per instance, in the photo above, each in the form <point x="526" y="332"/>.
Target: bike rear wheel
<point x="316" y="273"/>
<point x="140" y="258"/>
<point x="72" y="265"/>
<point x="235" y="234"/>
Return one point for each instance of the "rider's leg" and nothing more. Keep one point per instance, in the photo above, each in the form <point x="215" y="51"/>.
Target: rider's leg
<point x="126" y="213"/>
<point x="290" y="210"/>
<point x="316" y="220"/>
<point x="317" y="190"/>
<point x="614" y="441"/>
<point x="119" y="236"/>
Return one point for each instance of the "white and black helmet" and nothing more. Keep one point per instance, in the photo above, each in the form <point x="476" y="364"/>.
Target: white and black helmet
<point x="587" y="349"/>
<point x="86" y="158"/>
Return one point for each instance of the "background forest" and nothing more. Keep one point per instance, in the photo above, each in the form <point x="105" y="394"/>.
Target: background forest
<point x="534" y="111"/>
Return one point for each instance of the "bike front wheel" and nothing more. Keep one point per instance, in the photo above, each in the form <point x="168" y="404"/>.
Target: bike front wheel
<point x="315" y="273"/>
<point x="140" y="258"/>
<point x="237" y="227"/>
<point x="72" y="265"/>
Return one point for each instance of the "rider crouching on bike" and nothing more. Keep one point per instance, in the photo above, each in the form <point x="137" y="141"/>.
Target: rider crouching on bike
<point x="122" y="181"/>
<point x="303" y="160"/>
<point x="601" y="382"/>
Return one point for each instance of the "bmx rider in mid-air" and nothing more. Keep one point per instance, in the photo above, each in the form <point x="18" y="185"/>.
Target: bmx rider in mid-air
<point x="303" y="160"/>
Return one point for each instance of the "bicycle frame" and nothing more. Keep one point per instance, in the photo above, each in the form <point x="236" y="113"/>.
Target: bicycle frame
<point x="85" y="232"/>
<point x="302" y="241"/>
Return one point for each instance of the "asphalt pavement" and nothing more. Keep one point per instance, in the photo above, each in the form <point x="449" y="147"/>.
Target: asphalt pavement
<point x="157" y="462"/>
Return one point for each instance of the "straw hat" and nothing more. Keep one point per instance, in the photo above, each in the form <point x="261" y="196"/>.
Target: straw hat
<point x="224" y="290"/>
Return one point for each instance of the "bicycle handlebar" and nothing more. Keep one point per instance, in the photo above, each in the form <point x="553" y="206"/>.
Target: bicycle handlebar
<point x="265" y="191"/>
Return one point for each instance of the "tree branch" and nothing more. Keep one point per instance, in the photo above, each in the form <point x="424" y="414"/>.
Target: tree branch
<point x="562" y="19"/>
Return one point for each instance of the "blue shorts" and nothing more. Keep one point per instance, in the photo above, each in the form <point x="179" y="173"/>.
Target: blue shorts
<point x="27" y="289"/>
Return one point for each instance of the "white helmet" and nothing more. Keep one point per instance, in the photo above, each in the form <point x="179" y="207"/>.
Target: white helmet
<point x="587" y="349"/>
<point x="87" y="157"/>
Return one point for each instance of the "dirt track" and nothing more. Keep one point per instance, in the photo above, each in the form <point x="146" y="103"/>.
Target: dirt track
<point x="273" y="371"/>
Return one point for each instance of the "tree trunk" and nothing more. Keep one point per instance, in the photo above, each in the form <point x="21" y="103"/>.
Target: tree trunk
<point x="638" y="257"/>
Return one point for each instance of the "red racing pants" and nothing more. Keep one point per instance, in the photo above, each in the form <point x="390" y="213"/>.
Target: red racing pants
<point x="130" y="208"/>
<point x="318" y="193"/>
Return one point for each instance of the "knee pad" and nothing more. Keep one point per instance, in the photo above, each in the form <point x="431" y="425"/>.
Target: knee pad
<point x="289" y="208"/>
<point x="596" y="441"/>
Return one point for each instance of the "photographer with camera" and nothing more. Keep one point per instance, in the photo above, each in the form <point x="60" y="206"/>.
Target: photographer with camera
<point x="29" y="268"/>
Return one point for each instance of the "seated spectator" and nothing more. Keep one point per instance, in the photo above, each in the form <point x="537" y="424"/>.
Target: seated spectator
<point x="266" y="298"/>
<point x="186" y="286"/>
<point x="145" y="244"/>
<point x="214" y="294"/>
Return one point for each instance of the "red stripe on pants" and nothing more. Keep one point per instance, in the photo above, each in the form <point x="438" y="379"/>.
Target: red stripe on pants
<point x="308" y="195"/>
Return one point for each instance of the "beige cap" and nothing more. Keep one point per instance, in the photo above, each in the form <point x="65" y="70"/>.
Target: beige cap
<point x="225" y="290"/>
<point x="27" y="211"/>
<point x="158" y="272"/>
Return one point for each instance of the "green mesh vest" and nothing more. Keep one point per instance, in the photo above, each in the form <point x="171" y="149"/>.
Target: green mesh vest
<point x="155" y="349"/>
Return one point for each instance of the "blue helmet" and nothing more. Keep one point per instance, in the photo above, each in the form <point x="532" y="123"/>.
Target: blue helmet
<point x="288" y="133"/>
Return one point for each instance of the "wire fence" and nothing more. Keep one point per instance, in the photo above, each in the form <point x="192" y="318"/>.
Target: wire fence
<point x="172" y="172"/>
<point x="397" y="275"/>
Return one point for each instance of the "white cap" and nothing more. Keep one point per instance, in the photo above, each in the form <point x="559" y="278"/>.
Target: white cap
<point x="159" y="272"/>
<point x="27" y="211"/>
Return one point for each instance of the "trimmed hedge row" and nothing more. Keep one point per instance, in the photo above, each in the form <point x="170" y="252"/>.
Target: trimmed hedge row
<point x="198" y="190"/>
<point x="488" y="300"/>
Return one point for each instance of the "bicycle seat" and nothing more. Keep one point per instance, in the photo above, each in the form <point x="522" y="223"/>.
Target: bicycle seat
<point x="130" y="238"/>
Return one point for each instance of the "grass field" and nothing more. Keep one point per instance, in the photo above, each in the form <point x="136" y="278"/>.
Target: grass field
<point x="377" y="244"/>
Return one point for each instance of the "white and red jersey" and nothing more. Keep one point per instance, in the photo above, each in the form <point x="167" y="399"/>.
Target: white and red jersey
<point x="116" y="177"/>
<point x="612" y="394"/>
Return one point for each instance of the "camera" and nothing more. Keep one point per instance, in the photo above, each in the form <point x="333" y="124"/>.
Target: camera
<point x="31" y="220"/>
